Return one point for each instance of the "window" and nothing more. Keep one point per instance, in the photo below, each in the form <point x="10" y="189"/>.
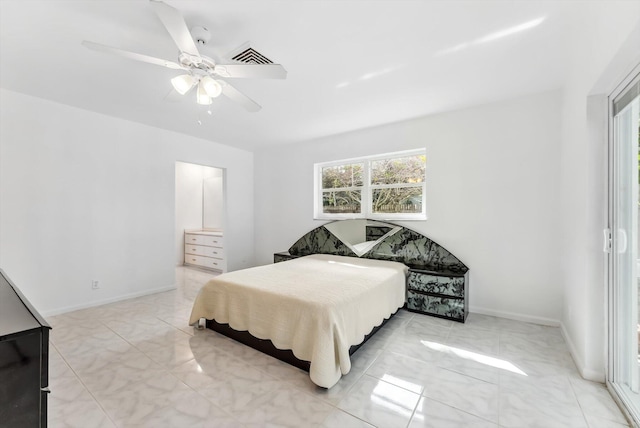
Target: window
<point x="342" y="188"/>
<point x="389" y="186"/>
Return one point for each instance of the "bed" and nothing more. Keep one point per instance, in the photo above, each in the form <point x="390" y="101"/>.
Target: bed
<point x="317" y="306"/>
<point x="334" y="288"/>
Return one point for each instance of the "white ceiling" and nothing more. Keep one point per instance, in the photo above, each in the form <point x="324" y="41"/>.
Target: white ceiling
<point x="351" y="64"/>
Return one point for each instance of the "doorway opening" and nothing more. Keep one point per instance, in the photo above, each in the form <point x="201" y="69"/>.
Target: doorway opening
<point x="200" y="200"/>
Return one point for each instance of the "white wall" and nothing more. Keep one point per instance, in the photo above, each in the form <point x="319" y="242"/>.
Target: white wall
<point x="492" y="196"/>
<point x="600" y="59"/>
<point x="86" y="196"/>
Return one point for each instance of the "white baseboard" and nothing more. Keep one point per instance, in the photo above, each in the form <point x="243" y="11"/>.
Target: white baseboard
<point x="514" y="316"/>
<point x="585" y="372"/>
<point x="106" y="301"/>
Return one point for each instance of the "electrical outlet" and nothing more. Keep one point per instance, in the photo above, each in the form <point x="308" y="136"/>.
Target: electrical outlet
<point x="95" y="284"/>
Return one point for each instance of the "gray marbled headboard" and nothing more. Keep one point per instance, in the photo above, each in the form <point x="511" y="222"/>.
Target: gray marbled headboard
<point x="405" y="246"/>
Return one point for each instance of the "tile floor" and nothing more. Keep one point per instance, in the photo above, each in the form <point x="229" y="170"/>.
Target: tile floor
<point x="137" y="363"/>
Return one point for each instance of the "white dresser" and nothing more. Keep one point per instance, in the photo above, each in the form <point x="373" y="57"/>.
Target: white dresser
<point x="205" y="248"/>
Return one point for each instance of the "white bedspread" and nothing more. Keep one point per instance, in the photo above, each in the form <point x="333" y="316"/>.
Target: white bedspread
<point x="317" y="306"/>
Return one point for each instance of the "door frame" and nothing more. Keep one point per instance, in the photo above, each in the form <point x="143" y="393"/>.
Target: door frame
<point x="630" y="408"/>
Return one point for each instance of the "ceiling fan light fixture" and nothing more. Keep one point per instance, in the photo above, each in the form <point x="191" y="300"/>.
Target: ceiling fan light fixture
<point x="201" y="97"/>
<point x="182" y="83"/>
<point x="212" y="87"/>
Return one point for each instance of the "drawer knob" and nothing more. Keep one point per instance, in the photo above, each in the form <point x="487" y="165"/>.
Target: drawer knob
<point x="193" y="260"/>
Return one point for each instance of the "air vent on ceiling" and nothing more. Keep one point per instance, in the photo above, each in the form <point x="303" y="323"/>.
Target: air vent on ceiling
<point x="252" y="56"/>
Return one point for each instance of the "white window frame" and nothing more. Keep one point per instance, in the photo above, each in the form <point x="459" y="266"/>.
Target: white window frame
<point x="367" y="188"/>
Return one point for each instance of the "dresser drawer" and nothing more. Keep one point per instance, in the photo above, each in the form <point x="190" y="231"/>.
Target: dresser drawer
<point x="447" y="285"/>
<point x="207" y="262"/>
<point x="208" y="240"/>
<point x="446" y="307"/>
<point x="201" y="250"/>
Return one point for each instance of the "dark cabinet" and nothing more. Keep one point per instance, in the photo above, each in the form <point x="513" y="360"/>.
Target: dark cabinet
<point x="24" y="360"/>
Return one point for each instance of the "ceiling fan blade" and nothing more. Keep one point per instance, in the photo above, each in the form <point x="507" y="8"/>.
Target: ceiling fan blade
<point x="237" y="96"/>
<point x="260" y="71"/>
<point x="174" y="23"/>
<point x="132" y="55"/>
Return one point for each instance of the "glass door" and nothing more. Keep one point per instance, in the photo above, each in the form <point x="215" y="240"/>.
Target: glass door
<point x="624" y="261"/>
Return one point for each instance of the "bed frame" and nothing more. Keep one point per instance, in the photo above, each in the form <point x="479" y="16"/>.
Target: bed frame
<point x="267" y="347"/>
<point x="405" y="246"/>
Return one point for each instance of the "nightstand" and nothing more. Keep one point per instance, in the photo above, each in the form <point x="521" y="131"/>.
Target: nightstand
<point x="283" y="257"/>
<point x="441" y="294"/>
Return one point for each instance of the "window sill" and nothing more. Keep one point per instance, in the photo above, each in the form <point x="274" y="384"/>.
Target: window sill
<point x="380" y="217"/>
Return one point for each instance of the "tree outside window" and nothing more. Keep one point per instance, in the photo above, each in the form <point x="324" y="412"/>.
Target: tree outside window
<point x="390" y="186"/>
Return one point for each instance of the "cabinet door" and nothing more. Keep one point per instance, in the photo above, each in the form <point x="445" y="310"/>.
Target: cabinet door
<point x="20" y="393"/>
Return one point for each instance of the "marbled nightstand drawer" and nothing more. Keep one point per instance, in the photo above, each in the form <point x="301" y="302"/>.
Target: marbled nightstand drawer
<point x="446" y="307"/>
<point x="447" y="285"/>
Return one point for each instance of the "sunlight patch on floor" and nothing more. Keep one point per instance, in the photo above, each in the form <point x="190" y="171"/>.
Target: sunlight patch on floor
<point x="474" y="356"/>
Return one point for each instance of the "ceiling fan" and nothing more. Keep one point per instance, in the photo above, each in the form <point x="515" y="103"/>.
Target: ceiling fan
<point x="202" y="72"/>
